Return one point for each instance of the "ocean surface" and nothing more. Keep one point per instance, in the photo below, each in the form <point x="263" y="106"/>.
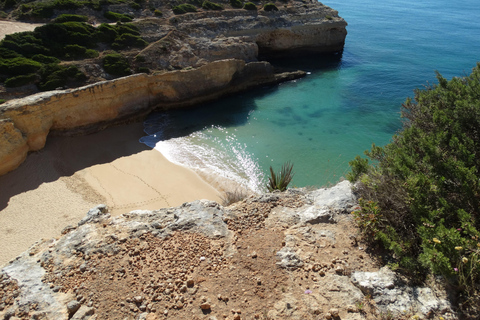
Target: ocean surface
<point x="346" y="103"/>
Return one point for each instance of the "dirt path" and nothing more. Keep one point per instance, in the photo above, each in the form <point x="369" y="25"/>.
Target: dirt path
<point x="8" y="27"/>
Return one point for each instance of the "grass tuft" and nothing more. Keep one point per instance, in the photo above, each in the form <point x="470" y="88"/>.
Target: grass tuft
<point x="281" y="180"/>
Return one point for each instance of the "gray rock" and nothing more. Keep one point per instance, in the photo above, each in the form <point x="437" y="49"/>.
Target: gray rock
<point x="338" y="198"/>
<point x="83" y="313"/>
<point x="370" y="282"/>
<point x="96" y="214"/>
<point x="393" y="297"/>
<point x="73" y="307"/>
<point x="288" y="258"/>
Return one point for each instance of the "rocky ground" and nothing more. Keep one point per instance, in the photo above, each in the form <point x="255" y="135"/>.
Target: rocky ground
<point x="292" y="255"/>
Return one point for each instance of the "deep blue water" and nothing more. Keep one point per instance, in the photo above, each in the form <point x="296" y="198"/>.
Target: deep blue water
<point x="345" y="104"/>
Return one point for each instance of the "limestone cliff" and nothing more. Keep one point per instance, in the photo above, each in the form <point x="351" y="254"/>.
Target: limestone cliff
<point x="94" y="106"/>
<point x="216" y="50"/>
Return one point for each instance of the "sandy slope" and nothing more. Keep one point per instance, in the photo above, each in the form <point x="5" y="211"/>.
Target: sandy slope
<point x="7" y="27"/>
<point x="58" y="185"/>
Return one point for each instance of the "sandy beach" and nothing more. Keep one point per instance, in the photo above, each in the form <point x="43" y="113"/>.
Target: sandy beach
<point x="7" y="27"/>
<point x="56" y="186"/>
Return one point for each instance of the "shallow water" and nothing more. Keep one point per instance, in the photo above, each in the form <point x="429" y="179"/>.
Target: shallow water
<point x="346" y="103"/>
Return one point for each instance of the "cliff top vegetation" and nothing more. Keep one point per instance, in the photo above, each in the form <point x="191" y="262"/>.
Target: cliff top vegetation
<point x="420" y="194"/>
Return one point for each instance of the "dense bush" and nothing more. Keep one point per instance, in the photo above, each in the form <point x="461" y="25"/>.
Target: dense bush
<point x="236" y="3"/>
<point x="70" y="17"/>
<point x="7" y="53"/>
<point x="116" y="64"/>
<point x="107" y="33"/>
<point x="208" y="5"/>
<point x="118" y="16"/>
<point x="270" y="7"/>
<point x="250" y="6"/>
<point x="421" y="199"/>
<point x="45" y="59"/>
<point x="24" y="43"/>
<point x="54" y="76"/>
<point x="184" y="8"/>
<point x="19" y="66"/>
<point x="158" y="13"/>
<point x="20" y="80"/>
<point x="128" y="40"/>
<point x="56" y="35"/>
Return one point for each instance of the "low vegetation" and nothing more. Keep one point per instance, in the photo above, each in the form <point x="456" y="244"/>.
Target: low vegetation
<point x="116" y="64"/>
<point x="36" y="56"/>
<point x="236" y="3"/>
<point x="270" y="7"/>
<point x="250" y="6"/>
<point x="280" y="181"/>
<point x="230" y="197"/>
<point x="184" y="8"/>
<point x="420" y="194"/>
<point x="208" y="5"/>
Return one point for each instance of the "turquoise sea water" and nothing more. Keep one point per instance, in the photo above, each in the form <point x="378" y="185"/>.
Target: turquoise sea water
<point x="346" y="103"/>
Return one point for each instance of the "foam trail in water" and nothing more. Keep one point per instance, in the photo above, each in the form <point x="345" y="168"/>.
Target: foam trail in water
<point x="223" y="162"/>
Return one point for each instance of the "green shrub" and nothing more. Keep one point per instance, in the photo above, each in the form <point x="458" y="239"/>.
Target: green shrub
<point x="250" y="6"/>
<point x="157" y="13"/>
<point x="426" y="184"/>
<point x="54" y="76"/>
<point x="7" y="53"/>
<point x="143" y="70"/>
<point x="128" y="40"/>
<point x="70" y="17"/>
<point x="281" y="180"/>
<point x="127" y="28"/>
<point x="25" y="43"/>
<point x="56" y="35"/>
<point x="20" y="80"/>
<point x="270" y="7"/>
<point x="184" y="8"/>
<point x="116" y="64"/>
<point x="236" y="3"/>
<point x="107" y="33"/>
<point x="45" y="59"/>
<point x="328" y="17"/>
<point x="118" y="16"/>
<point x="208" y="5"/>
<point x="135" y="6"/>
<point x="19" y="66"/>
<point x="2" y="101"/>
<point x="74" y="51"/>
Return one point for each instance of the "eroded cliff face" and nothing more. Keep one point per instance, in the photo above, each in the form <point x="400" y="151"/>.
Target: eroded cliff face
<point x="27" y="122"/>
<point x="217" y="50"/>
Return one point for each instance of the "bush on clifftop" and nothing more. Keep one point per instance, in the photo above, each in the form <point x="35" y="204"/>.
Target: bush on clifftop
<point x="184" y="8"/>
<point x="420" y="199"/>
<point x="250" y="6"/>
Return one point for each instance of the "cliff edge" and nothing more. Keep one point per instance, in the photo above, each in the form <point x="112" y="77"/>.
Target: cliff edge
<point x="291" y="255"/>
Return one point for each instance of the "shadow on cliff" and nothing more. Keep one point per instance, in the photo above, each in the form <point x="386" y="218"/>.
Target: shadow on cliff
<point x="63" y="156"/>
<point x="227" y="112"/>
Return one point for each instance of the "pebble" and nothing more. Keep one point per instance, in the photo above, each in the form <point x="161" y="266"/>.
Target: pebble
<point x="205" y="306"/>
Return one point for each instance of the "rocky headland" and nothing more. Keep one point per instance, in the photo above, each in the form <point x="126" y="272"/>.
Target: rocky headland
<point x="291" y="255"/>
<point x="198" y="57"/>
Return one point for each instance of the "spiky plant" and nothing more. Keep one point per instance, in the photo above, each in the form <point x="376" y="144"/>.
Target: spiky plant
<point x="280" y="181"/>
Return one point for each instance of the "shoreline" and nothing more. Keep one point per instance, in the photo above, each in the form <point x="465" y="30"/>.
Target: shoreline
<point x="56" y="186"/>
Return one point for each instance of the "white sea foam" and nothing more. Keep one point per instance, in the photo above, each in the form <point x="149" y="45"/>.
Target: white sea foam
<point x="222" y="162"/>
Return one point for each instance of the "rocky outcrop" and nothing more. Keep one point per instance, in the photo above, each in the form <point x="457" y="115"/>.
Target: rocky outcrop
<point x="28" y="121"/>
<point x="257" y="259"/>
